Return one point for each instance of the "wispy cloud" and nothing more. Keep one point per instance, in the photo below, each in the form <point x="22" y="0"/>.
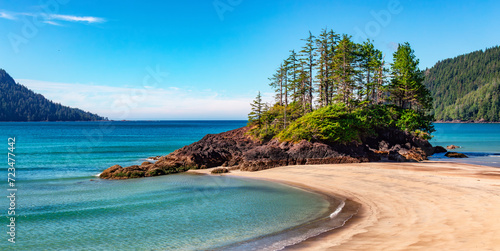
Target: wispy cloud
<point x="51" y="18"/>
<point x="143" y="102"/>
<point x="6" y="15"/>
<point x="76" y="18"/>
<point x="52" y="23"/>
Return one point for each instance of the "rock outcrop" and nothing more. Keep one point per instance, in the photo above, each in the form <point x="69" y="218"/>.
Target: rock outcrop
<point x="236" y="150"/>
<point x="440" y="149"/>
<point x="219" y="170"/>
<point x="455" y="155"/>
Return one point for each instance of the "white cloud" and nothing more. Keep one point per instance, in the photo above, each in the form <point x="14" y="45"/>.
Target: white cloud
<point x="141" y="103"/>
<point x="49" y="18"/>
<point x="6" y="15"/>
<point x="52" y="23"/>
<point x="76" y="18"/>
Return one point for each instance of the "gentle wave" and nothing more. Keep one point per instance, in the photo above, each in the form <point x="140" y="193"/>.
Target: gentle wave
<point x="294" y="236"/>
<point x="338" y="210"/>
<point x="325" y="227"/>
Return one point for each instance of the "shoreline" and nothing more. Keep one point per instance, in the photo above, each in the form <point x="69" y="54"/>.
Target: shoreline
<point x="324" y="223"/>
<point x="414" y="206"/>
<point x="465" y="122"/>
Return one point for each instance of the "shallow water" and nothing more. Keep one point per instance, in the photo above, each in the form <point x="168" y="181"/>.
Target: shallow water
<point x="61" y="205"/>
<point x="176" y="212"/>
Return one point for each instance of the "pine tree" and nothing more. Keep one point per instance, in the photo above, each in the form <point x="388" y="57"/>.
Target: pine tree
<point x="293" y="75"/>
<point x="323" y="65"/>
<point x="309" y="53"/>
<point x="277" y="84"/>
<point x="284" y="71"/>
<point x="407" y="88"/>
<point x="303" y="78"/>
<point x="332" y="90"/>
<point x="370" y="63"/>
<point x="380" y="80"/>
<point x="255" y="116"/>
<point x="345" y="69"/>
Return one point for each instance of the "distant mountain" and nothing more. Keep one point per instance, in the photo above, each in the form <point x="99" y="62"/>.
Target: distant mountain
<point x="18" y="103"/>
<point x="467" y="87"/>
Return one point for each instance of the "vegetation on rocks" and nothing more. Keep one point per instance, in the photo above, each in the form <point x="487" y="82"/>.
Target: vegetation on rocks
<point x="335" y="103"/>
<point x="339" y="91"/>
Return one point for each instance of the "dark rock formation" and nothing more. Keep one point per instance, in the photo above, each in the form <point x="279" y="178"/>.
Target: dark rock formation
<point x="236" y="150"/>
<point x="455" y="155"/>
<point x="220" y="170"/>
<point x="439" y="149"/>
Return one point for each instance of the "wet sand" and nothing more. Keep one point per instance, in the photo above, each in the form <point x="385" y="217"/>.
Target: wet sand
<point x="404" y="206"/>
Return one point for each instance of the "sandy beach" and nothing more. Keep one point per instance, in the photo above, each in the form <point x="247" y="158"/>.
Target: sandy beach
<point x="404" y="206"/>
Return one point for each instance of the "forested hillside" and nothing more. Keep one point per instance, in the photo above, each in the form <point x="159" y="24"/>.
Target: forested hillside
<point x="18" y="103"/>
<point x="467" y="87"/>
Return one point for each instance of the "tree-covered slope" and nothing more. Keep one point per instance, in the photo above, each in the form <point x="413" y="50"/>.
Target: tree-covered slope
<point x="18" y="103"/>
<point x="467" y="87"/>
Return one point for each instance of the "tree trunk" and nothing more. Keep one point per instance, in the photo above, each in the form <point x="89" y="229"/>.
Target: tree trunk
<point x="286" y="99"/>
<point x="281" y="92"/>
<point x="310" y="85"/>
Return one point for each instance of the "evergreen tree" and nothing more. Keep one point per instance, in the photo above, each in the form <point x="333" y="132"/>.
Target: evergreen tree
<point x="370" y="63"/>
<point x="303" y="79"/>
<point x="294" y="71"/>
<point x="284" y="70"/>
<point x="407" y="88"/>
<point x="348" y="77"/>
<point x="277" y="84"/>
<point x="345" y="60"/>
<point x="325" y="44"/>
<point x="309" y="53"/>
<point x="332" y="91"/>
<point x="255" y="116"/>
<point x="380" y="87"/>
<point x="323" y="67"/>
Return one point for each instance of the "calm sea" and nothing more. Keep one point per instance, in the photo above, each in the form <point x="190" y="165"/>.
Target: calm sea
<point x="61" y="205"/>
<point x="481" y="142"/>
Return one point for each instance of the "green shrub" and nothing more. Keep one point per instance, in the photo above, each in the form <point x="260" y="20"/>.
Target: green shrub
<point x="333" y="123"/>
<point x="412" y="121"/>
<point x="336" y="123"/>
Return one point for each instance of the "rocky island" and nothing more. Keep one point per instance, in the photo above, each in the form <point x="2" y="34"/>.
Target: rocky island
<point x="359" y="115"/>
<point x="237" y="150"/>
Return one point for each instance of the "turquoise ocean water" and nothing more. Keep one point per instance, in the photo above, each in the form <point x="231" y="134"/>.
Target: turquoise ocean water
<point x="61" y="205"/>
<point x="481" y="142"/>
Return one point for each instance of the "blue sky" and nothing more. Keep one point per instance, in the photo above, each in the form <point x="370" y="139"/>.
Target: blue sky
<point x="206" y="59"/>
